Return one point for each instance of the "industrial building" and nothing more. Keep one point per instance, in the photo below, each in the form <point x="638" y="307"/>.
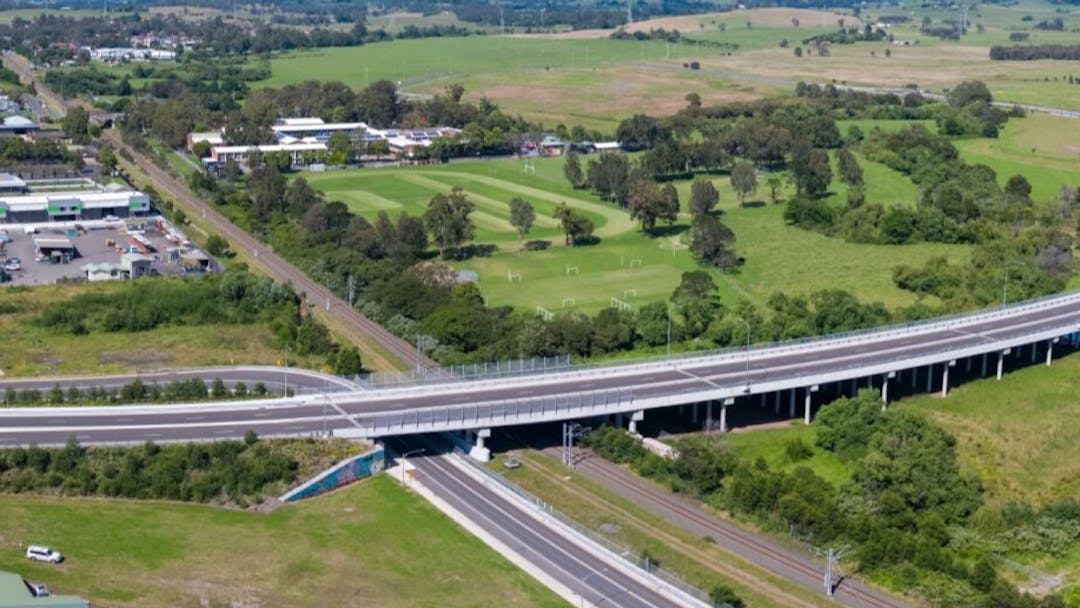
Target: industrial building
<point x="69" y="206"/>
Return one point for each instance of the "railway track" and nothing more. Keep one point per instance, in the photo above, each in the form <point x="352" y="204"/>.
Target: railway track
<point x="848" y="591"/>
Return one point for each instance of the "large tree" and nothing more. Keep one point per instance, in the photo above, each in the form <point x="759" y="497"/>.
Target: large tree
<point x="639" y="132"/>
<point x="743" y="180"/>
<point x="703" y="197"/>
<point x="608" y="176"/>
<point x="712" y="241"/>
<point x="575" y="226"/>
<point x="572" y="169"/>
<point x="522" y="216"/>
<point x="77" y="125"/>
<point x="697" y="301"/>
<point x="850" y="172"/>
<point x="447" y="219"/>
<point x="810" y="169"/>
<point x="649" y="203"/>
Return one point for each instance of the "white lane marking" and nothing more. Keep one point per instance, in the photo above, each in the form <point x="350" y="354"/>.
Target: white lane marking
<point x="195" y="418"/>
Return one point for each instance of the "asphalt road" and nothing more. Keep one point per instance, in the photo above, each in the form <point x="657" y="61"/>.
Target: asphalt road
<point x="98" y="425"/>
<point x="275" y="379"/>
<point x="584" y="573"/>
<point x="692" y="517"/>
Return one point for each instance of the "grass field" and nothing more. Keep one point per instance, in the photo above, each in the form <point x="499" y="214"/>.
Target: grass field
<point x="31" y="350"/>
<point x="626" y="264"/>
<point x="769" y="445"/>
<point x="371" y="544"/>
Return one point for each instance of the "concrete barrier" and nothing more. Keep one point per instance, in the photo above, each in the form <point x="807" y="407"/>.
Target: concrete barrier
<point x="342" y="473"/>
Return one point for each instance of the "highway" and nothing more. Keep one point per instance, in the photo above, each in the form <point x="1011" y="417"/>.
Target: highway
<point x="300" y="380"/>
<point x="624" y="387"/>
<point x="590" y="576"/>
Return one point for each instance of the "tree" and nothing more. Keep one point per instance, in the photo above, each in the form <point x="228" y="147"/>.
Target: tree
<point x="575" y="226"/>
<point x="774" y="189"/>
<point x="572" y="169"/>
<point x="340" y="147"/>
<point x="810" y="169"/>
<point x="1018" y="190"/>
<point x="522" y="216"/>
<point x="649" y="203"/>
<point x="640" y="132"/>
<point x="743" y="180"/>
<point x="608" y="176"/>
<point x="107" y="159"/>
<point x="968" y="92"/>
<point x="798" y="51"/>
<point x="723" y="596"/>
<point x="697" y="301"/>
<point x="348" y="363"/>
<point x="447" y="219"/>
<point x="218" y="389"/>
<point x="299" y="197"/>
<point x="216" y="245"/>
<point x="850" y="172"/>
<point x="711" y="240"/>
<point x="703" y="197"/>
<point x="77" y="125"/>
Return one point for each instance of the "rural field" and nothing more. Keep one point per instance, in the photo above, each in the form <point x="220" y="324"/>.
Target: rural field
<point x="32" y="350"/>
<point x="370" y="543"/>
<point x="583" y="77"/>
<point x="626" y="264"/>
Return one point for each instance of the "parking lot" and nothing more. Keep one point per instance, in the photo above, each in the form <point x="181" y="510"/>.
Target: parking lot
<point x="97" y="243"/>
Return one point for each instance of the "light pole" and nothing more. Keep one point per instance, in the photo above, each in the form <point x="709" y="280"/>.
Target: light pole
<point x="746" y="389"/>
<point x="406" y="455"/>
<point x="286" y="373"/>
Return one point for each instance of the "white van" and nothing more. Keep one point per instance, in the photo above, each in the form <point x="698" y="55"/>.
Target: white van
<point x="39" y="553"/>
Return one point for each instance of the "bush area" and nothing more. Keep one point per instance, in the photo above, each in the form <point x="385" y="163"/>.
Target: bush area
<point x="235" y="297"/>
<point x="240" y="473"/>
<point x="915" y="520"/>
<point x="136" y="391"/>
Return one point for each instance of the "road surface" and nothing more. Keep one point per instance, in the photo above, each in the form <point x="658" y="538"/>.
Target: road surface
<point x="517" y="400"/>
<point x="274" y="378"/>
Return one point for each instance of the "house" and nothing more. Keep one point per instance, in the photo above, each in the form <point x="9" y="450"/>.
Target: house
<point x="18" y="126"/>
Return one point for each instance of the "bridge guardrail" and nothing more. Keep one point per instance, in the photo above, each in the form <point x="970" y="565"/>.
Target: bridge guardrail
<point x="607" y="369"/>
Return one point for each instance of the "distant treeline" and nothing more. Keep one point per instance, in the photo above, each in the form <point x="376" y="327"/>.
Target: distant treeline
<point x="1068" y="52"/>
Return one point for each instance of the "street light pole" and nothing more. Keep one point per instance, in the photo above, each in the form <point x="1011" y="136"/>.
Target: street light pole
<point x="403" y="460"/>
<point x="746" y="389"/>
<point x="286" y="352"/>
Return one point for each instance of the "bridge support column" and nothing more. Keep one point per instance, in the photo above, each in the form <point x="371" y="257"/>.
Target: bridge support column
<point x="723" y="413"/>
<point x="791" y="407"/>
<point x="635" y="418"/>
<point x="1034" y="351"/>
<point x="708" y="415"/>
<point x="885" y="388"/>
<point x="854" y="386"/>
<point x="1050" y="351"/>
<point x="914" y="378"/>
<point x="945" y="378"/>
<point x="693" y="413"/>
<point x="776" y="404"/>
<point x="806" y="403"/>
<point x="479" y="451"/>
<point x="967" y="365"/>
<point x="985" y="357"/>
<point x="763" y="395"/>
<point x="930" y="378"/>
<point x="1001" y="363"/>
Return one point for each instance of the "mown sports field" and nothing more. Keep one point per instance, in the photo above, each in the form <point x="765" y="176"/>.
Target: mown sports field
<point x="626" y="264"/>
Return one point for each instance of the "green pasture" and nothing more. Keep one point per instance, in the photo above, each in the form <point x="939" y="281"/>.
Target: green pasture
<point x="769" y="444"/>
<point x="371" y="544"/>
<point x="626" y="264"/>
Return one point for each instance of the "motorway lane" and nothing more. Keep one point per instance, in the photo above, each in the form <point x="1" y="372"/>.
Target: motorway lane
<point x="591" y="577"/>
<point x="274" y="378"/>
<point x="694" y="518"/>
<point x="689" y="376"/>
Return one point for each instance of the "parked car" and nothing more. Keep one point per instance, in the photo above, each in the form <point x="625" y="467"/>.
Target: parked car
<point x="39" y="553"/>
<point x="11" y="266"/>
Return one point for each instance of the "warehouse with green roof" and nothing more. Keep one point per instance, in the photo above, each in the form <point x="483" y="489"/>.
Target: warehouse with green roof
<point x="16" y="592"/>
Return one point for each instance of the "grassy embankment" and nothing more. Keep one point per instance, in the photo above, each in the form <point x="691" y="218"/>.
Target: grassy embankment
<point x="32" y="350"/>
<point x="371" y="544"/>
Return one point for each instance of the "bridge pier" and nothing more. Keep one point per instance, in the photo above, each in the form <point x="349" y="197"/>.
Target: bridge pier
<point x="885" y="388"/>
<point x="930" y="378"/>
<point x="763" y="395"/>
<point x="985" y="357"/>
<point x="914" y="378"/>
<point x="1001" y="363"/>
<point x="776" y="404"/>
<point x="854" y="386"/>
<point x="945" y="378"/>
<point x="1050" y="351"/>
<point x="723" y="413"/>
<point x="635" y="418"/>
<point x="967" y="366"/>
<point x="791" y="408"/>
<point x="1034" y="351"/>
<point x="479" y="451"/>
<point x="810" y="390"/>
<point x="693" y="413"/>
<point x="708" y="415"/>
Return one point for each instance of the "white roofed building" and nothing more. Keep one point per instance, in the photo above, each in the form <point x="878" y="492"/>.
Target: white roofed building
<point x="64" y="206"/>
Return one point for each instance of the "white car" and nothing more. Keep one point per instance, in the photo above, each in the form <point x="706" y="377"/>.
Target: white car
<point x="43" y="554"/>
